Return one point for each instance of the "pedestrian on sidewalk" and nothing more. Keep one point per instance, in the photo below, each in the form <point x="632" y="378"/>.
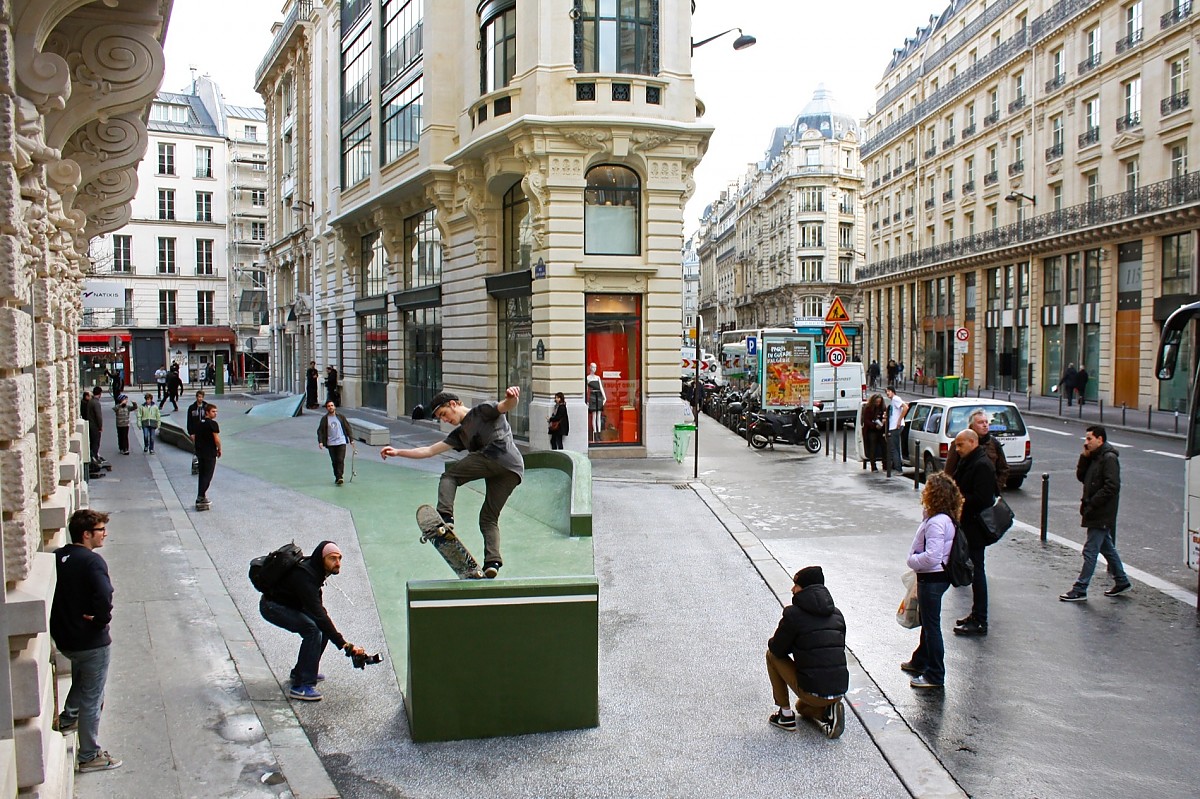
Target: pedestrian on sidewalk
<point x="160" y="380"/>
<point x="873" y="374"/>
<point x="195" y="413"/>
<point x="492" y="456"/>
<point x="1081" y="381"/>
<point x="807" y="654"/>
<point x="310" y="385"/>
<point x="174" y="387"/>
<point x="149" y="417"/>
<point x="95" y="418"/>
<point x="332" y="390"/>
<point x="1068" y="382"/>
<point x="978" y="421"/>
<point x="942" y="503"/>
<point x="559" y="423"/>
<point x="122" y="411"/>
<point x="296" y="604"/>
<point x="976" y="480"/>
<point x="896" y="410"/>
<point x="79" y="617"/>
<point x="891" y="372"/>
<point x="1099" y="469"/>
<point x="333" y="434"/>
<point x="874" y="422"/>
<point x="207" y="441"/>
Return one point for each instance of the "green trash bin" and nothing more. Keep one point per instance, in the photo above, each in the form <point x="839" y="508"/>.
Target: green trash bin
<point x="947" y="386"/>
<point x="683" y="437"/>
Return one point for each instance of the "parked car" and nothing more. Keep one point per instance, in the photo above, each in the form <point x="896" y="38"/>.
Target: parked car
<point x="851" y="391"/>
<point x="929" y="428"/>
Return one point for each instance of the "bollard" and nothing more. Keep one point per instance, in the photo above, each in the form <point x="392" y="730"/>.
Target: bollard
<point x="887" y="456"/>
<point x="1149" y="416"/>
<point x="1010" y="395"/>
<point x="1029" y="399"/>
<point x="993" y="392"/>
<point x="1123" y="409"/>
<point x="1045" y="504"/>
<point x="843" y="444"/>
<point x="1060" y="403"/>
<point x="1102" y="410"/>
<point x="1080" y="405"/>
<point x="916" y="474"/>
<point x="1176" y="422"/>
<point x="826" y="439"/>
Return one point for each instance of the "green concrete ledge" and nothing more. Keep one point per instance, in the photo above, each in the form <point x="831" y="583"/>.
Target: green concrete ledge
<point x="171" y="433"/>
<point x="578" y="469"/>
<point x="526" y="649"/>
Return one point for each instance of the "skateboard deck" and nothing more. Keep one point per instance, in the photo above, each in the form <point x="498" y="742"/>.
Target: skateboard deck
<point x="435" y="531"/>
<point x="201" y="506"/>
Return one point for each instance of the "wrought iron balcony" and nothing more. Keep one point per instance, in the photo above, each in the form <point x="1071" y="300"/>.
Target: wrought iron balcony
<point x="969" y="187"/>
<point x="910" y="164"/>
<point x="1017" y="104"/>
<point x="991" y="178"/>
<point x="875" y="183"/>
<point x="969" y="130"/>
<point x="909" y="211"/>
<point x="874" y="226"/>
<point x="1176" y="102"/>
<point x="896" y="217"/>
<point x="1133" y="120"/>
<point x="1016" y="168"/>
<point x="948" y="142"/>
<point x="1130" y="40"/>
<point x="1174" y="16"/>
<point x="931" y="152"/>
<point x="1089" y="137"/>
<point x="1054" y="151"/>
<point x="1055" y="82"/>
<point x="991" y="119"/>
<point x="930" y="203"/>
<point x="1088" y="64"/>
<point x="947" y="196"/>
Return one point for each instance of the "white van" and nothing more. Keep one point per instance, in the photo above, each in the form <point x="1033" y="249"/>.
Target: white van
<point x="709" y="368"/>
<point x="851" y="390"/>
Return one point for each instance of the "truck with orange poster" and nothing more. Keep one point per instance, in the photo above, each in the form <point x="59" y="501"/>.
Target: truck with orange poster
<point x="786" y="370"/>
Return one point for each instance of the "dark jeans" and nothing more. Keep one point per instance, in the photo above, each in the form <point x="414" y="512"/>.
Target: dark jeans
<point x="499" y="483"/>
<point x="893" y="437"/>
<point x="1100" y="542"/>
<point x="94" y="444"/>
<point x="162" y="392"/>
<point x="89" y="672"/>
<point x="123" y="438"/>
<point x="312" y="640"/>
<point x="337" y="456"/>
<point x="208" y="465"/>
<point x="979" y="592"/>
<point x="556" y="440"/>
<point x="930" y="654"/>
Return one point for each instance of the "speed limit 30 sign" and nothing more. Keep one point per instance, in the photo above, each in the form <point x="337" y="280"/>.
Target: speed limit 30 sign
<point x="836" y="356"/>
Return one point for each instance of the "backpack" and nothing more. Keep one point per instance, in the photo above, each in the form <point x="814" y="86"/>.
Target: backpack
<point x="959" y="565"/>
<point x="266" y="571"/>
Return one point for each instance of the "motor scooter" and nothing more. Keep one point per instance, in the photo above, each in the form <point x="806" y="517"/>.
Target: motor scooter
<point x="797" y="426"/>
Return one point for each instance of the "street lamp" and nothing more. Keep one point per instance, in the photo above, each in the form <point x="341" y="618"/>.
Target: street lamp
<point x="1016" y="197"/>
<point x="299" y="206"/>
<point x="743" y="40"/>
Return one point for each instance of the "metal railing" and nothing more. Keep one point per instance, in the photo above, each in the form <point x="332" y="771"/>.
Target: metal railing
<point x="1129" y="41"/>
<point x="991" y="119"/>
<point x="930" y="203"/>
<point x="947" y="196"/>
<point x="968" y="187"/>
<point x="1089" y="137"/>
<point x="1056" y="81"/>
<point x="1088" y="64"/>
<point x="1132" y="120"/>
<point x="1175" y="102"/>
<point x="1016" y="167"/>
<point x="948" y="142"/>
<point x="301" y="11"/>
<point x="1054" y="151"/>
<point x="969" y="130"/>
<point x="991" y="178"/>
<point x="1173" y="16"/>
<point x="1156" y="197"/>
<point x="1017" y="104"/>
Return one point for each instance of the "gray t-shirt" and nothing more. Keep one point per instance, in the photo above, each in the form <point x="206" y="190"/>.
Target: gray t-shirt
<point x="485" y="430"/>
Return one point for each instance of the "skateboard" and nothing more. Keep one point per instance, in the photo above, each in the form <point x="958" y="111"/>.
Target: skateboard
<point x="205" y="505"/>
<point x="434" y="530"/>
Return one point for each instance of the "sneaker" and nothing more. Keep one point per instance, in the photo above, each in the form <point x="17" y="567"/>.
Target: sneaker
<point x="490" y="570"/>
<point x="910" y="668"/>
<point x="305" y="693"/>
<point x="921" y="682"/>
<point x="339" y="481"/>
<point x="1117" y="590"/>
<point x="67" y="723"/>
<point x="965" y="620"/>
<point x="835" y="720"/>
<point x="1073" y="596"/>
<point x="783" y="722"/>
<point x="101" y="762"/>
<point x="972" y="627"/>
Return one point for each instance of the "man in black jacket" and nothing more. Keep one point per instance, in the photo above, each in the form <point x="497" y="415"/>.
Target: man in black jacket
<point x="196" y="413"/>
<point x="333" y="434"/>
<point x="976" y="479"/>
<point x="79" y="618"/>
<point x="295" y="604"/>
<point x="1100" y="472"/>
<point x="808" y="655"/>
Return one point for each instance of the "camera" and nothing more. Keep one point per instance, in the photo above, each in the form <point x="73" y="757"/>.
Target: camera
<point x="362" y="660"/>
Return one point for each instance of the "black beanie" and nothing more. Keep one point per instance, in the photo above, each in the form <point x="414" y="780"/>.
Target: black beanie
<point x="809" y="575"/>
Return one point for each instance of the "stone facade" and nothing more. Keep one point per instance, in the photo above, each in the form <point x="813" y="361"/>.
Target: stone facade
<point x="76" y="80"/>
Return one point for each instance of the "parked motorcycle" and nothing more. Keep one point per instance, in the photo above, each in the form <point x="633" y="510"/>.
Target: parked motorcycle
<point x="797" y="426"/>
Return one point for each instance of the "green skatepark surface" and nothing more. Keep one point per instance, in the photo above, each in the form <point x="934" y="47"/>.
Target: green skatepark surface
<point x="382" y="500"/>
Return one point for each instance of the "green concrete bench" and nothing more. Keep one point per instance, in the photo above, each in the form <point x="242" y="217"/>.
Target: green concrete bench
<point x="525" y="649"/>
<point x="578" y="469"/>
<point x="376" y="435"/>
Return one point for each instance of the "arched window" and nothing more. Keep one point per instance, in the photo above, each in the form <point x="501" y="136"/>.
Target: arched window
<point x="518" y="230"/>
<point x="812" y="307"/>
<point x="498" y="49"/>
<point x="612" y="211"/>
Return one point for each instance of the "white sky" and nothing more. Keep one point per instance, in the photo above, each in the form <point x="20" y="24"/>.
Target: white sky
<point x="747" y="94"/>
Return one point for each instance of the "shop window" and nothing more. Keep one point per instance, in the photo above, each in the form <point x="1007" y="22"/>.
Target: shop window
<point x="613" y="325"/>
<point x="374" y="360"/>
<point x="516" y="358"/>
<point x="518" y="230"/>
<point x="612" y="205"/>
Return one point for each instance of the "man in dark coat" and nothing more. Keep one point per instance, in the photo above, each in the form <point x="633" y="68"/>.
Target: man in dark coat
<point x="1099" y="469"/>
<point x="1067" y="384"/>
<point x="978" y="422"/>
<point x="95" y="419"/>
<point x="808" y="655"/>
<point x="310" y="386"/>
<point x="976" y="479"/>
<point x="1081" y="381"/>
<point x="296" y="604"/>
<point x="174" y="386"/>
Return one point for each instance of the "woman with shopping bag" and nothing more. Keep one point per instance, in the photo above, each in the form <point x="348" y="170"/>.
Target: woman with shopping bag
<point x="942" y="503"/>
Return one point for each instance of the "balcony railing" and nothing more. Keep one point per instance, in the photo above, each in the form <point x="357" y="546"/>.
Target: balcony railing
<point x="896" y="217"/>
<point x="910" y="164"/>
<point x="1129" y="41"/>
<point x="1017" y="104"/>
<point x="930" y="203"/>
<point x="1157" y="197"/>
<point x="948" y="142"/>
<point x="1176" y="102"/>
<point x="909" y="211"/>
<point x="1133" y="120"/>
<point x="875" y="183"/>
<point x="301" y="11"/>
<point x="969" y="130"/>
<point x="1089" y="137"/>
<point x="931" y="152"/>
<point x="1173" y="16"/>
<point x="1016" y="168"/>
<point x="991" y="119"/>
<point x="1088" y="64"/>
<point x="969" y="187"/>
<point x="991" y="178"/>
<point x="874" y="226"/>
<point x="947" y="196"/>
<point x="1055" y="82"/>
<point x="1054" y="151"/>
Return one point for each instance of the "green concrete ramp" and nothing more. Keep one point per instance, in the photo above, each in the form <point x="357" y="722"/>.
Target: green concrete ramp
<point x="280" y="408"/>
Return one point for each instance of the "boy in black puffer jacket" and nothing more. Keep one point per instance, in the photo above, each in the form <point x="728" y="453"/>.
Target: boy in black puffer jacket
<point x="808" y="655"/>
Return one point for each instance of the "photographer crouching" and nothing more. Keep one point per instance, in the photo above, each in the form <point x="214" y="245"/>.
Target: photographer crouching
<point x="295" y="604"/>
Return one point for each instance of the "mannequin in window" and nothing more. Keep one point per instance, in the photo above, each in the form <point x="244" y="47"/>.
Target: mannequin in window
<point x="595" y="399"/>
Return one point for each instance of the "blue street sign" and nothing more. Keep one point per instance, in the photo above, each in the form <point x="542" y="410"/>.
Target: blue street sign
<point x="752" y="345"/>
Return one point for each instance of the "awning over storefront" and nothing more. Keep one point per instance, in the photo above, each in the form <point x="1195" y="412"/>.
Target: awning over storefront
<point x="103" y="336"/>
<point x="202" y="335"/>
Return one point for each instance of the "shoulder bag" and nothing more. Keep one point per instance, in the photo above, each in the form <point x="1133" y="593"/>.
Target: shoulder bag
<point x="996" y="521"/>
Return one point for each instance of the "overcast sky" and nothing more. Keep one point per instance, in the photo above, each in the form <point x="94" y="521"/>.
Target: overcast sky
<point x="747" y="94"/>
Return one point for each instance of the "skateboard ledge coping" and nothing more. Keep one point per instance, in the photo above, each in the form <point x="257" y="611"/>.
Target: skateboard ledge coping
<point x="171" y="433"/>
<point x="583" y="585"/>
<point x="579" y="471"/>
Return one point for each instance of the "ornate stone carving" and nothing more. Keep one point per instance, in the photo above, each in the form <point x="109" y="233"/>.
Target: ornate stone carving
<point x="590" y="138"/>
<point x="650" y="140"/>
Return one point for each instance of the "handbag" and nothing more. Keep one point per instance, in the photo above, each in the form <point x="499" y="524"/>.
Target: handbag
<point x="908" y="615"/>
<point x="554" y="424"/>
<point x="996" y="521"/>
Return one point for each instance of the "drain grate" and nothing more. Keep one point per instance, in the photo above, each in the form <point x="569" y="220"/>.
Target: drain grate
<point x="682" y="486"/>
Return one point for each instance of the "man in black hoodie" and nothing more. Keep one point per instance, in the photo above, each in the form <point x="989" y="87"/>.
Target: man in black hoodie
<point x="1100" y="472"/>
<point x="79" y="618"/>
<point x="976" y="479"/>
<point x="296" y="605"/>
<point x="808" y="655"/>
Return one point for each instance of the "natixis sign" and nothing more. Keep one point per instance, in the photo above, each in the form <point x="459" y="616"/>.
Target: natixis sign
<point x="99" y="294"/>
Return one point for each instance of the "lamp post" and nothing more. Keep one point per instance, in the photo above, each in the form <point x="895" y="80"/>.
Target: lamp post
<point x="743" y="40"/>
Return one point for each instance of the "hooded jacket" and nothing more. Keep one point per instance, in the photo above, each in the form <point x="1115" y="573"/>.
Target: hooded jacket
<point x="813" y="632"/>
<point x="300" y="589"/>
<point x="1100" y="474"/>
<point x="976" y="479"/>
<point x="83" y="589"/>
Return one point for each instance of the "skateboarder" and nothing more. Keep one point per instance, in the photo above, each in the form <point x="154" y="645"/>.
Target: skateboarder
<point x="208" y="448"/>
<point x="492" y="456"/>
